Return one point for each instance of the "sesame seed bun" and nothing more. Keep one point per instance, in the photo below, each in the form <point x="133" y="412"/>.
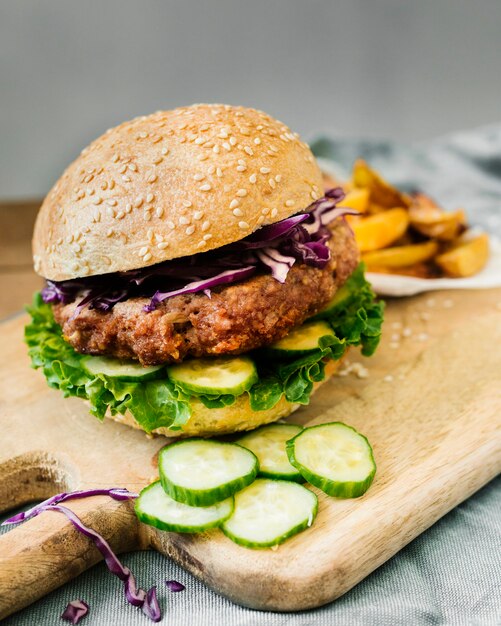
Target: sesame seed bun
<point x="205" y="422"/>
<point x="170" y="185"/>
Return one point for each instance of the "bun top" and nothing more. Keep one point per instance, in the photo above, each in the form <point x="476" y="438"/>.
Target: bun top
<point x="169" y="185"/>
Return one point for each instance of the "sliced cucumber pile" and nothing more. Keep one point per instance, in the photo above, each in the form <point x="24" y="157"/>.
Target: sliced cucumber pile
<point x="122" y="370"/>
<point x="215" y="376"/>
<point x="207" y="484"/>
<point x="335" y="458"/>
<point x="268" y="444"/>
<point x="270" y="511"/>
<point x="156" y="508"/>
<point x="302" y="340"/>
<point x="200" y="472"/>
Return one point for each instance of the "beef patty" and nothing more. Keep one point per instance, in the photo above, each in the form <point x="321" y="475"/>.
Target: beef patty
<point x="237" y="318"/>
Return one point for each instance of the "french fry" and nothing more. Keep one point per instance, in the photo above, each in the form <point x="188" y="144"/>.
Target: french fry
<point x="432" y="221"/>
<point x="401" y="256"/>
<point x="380" y="191"/>
<point x="357" y="199"/>
<point x="466" y="258"/>
<point x="380" y="230"/>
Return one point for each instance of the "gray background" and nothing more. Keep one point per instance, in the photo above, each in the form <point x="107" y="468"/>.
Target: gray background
<point x="376" y="68"/>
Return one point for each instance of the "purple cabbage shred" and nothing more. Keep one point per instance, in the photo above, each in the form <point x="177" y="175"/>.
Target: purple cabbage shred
<point x="75" y="610"/>
<point x="174" y="585"/>
<point x="136" y="596"/>
<point x="275" y="248"/>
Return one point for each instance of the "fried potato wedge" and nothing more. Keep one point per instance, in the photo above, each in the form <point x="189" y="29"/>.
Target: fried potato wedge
<point x="357" y="199"/>
<point x="380" y="191"/>
<point x="380" y="230"/>
<point x="401" y="256"/>
<point x="435" y="223"/>
<point x="466" y="258"/>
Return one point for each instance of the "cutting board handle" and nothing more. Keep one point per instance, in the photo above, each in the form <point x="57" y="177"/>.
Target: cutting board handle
<point x="47" y="551"/>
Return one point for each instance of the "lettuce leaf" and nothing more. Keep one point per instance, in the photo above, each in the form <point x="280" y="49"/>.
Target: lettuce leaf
<point x="356" y="321"/>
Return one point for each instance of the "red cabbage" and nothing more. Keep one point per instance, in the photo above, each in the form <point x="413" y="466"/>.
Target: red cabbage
<point x="116" y="494"/>
<point x="174" y="585"/>
<point x="75" y="610"/>
<point x="134" y="595"/>
<point x="275" y="248"/>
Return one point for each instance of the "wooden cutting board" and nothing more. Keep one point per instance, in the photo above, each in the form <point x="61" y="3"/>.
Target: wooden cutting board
<point x="431" y="407"/>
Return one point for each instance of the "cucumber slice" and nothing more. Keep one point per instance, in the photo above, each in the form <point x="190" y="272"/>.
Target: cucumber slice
<point x="215" y="376"/>
<point x="268" y="444"/>
<point x="340" y="299"/>
<point x="335" y="458"/>
<point x="200" y="472"/>
<point x="156" y="508"/>
<point x="116" y="368"/>
<point x="270" y="511"/>
<point x="301" y="340"/>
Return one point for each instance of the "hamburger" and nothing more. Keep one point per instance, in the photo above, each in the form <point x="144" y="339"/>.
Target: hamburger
<point x="199" y="279"/>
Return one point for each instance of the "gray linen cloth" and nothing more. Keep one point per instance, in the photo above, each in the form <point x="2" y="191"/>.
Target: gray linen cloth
<point x="451" y="574"/>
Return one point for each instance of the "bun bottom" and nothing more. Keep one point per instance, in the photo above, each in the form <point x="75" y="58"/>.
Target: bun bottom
<point x="205" y="422"/>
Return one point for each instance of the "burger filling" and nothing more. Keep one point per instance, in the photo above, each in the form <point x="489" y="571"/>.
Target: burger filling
<point x="241" y="298"/>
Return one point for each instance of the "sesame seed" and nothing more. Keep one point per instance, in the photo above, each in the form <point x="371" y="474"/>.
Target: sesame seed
<point x="126" y="179"/>
<point x="207" y="237"/>
<point x="110" y="212"/>
<point x="216" y="149"/>
<point x="241" y="168"/>
<point x="184" y="220"/>
<point x="265" y="211"/>
<point x="233" y="141"/>
<point x="272" y="183"/>
<point x="171" y="224"/>
<point x="226" y="145"/>
<point x="128" y="207"/>
<point x="273" y="148"/>
<point x="278" y="178"/>
<point x="147" y="216"/>
<point x="111" y="202"/>
<point x="202" y="157"/>
<point x="252" y="178"/>
<point x="152" y="178"/>
<point x="242" y="193"/>
<point x="243" y="225"/>
<point x="143" y="251"/>
<point x="115" y="158"/>
<point x="157" y="160"/>
<point x="147" y="257"/>
<point x="260" y="219"/>
<point x="264" y="170"/>
<point x="257" y="141"/>
<point x="201" y="244"/>
<point x="97" y="200"/>
<point x="138" y="201"/>
<point x="133" y="167"/>
<point x="165" y="151"/>
<point x="159" y="212"/>
<point x="205" y="225"/>
<point x="205" y="187"/>
<point x="219" y="172"/>
<point x="190" y="230"/>
<point x="237" y="212"/>
<point x="394" y="345"/>
<point x="234" y="203"/>
<point x="407" y="332"/>
<point x="110" y="232"/>
<point x="388" y="379"/>
<point x="122" y="168"/>
<point x="248" y="150"/>
<point x="422" y="337"/>
<point x="211" y="169"/>
<point x="313" y="195"/>
<point x="162" y="245"/>
<point x="274" y="212"/>
<point x="198" y="177"/>
<point x="111" y="184"/>
<point x="290" y="202"/>
<point x="187" y="203"/>
<point x="150" y="197"/>
<point x="120" y="215"/>
<point x="199" y="140"/>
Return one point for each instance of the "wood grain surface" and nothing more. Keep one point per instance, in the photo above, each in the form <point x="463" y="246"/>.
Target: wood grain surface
<point x="430" y="405"/>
